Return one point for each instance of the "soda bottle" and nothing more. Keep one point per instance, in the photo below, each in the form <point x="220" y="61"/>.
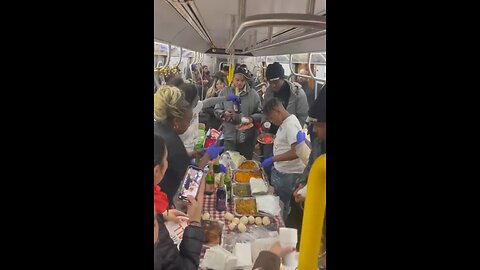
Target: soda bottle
<point x="210" y="180"/>
<point x="228" y="183"/>
<point x="221" y="197"/>
<point x="216" y="165"/>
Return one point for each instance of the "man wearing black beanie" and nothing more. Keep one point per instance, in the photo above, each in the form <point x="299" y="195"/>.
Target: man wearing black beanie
<point x="291" y="94"/>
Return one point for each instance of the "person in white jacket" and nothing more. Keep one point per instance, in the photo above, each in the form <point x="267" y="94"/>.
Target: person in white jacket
<point x="190" y="136"/>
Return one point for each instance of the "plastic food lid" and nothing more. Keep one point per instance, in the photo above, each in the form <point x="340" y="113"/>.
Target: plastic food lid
<point x="267" y="124"/>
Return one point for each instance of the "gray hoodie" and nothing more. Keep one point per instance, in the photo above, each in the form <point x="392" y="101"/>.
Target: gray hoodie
<point x="250" y="106"/>
<point x="297" y="105"/>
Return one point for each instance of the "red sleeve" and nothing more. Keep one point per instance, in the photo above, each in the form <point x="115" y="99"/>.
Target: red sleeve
<point x="160" y="200"/>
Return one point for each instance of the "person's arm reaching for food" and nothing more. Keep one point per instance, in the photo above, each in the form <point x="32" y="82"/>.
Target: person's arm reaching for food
<point x="210" y="154"/>
<point x="215" y="100"/>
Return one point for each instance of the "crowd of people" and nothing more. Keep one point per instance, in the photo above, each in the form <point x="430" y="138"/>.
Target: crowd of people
<point x="178" y="107"/>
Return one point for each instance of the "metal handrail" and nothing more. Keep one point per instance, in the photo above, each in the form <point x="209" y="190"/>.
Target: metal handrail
<point x="278" y="19"/>
<point x="180" y="58"/>
<point x="311" y="76"/>
<point x="292" y="70"/>
<point x="290" y="40"/>
<point x="195" y="57"/>
<point x="193" y="63"/>
<point x="220" y="66"/>
<point x="168" y="56"/>
<point x="310" y="69"/>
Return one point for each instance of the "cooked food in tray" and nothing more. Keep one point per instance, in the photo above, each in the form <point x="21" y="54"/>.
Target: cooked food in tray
<point x="249" y="165"/>
<point x="241" y="190"/>
<point x="245" y="206"/>
<point x="244" y="177"/>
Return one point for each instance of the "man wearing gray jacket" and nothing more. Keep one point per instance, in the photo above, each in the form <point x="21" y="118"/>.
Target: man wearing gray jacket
<point x="291" y="94"/>
<point x="250" y="111"/>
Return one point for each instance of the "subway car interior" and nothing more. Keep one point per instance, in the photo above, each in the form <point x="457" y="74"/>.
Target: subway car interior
<point x="254" y="135"/>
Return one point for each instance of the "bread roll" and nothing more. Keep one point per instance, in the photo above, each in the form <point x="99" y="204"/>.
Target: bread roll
<point x="242" y="228"/>
<point x="244" y="220"/>
<point x="236" y="220"/>
<point x="229" y="216"/>
<point x="266" y="221"/>
<point x="232" y="226"/>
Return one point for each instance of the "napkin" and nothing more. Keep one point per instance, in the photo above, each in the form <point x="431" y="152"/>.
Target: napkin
<point x="243" y="252"/>
<point x="217" y="258"/>
<point x="258" y="186"/>
<point x="268" y="204"/>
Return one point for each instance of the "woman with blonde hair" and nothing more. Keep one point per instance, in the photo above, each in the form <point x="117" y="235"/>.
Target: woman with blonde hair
<point x="173" y="115"/>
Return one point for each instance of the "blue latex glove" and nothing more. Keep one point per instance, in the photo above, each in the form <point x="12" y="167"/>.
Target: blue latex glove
<point x="233" y="97"/>
<point x="300" y="137"/>
<point x="213" y="151"/>
<point x="267" y="162"/>
<point x="222" y="168"/>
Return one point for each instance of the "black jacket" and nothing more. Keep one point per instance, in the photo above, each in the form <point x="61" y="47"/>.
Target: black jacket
<point x="213" y="121"/>
<point x="168" y="257"/>
<point x="178" y="160"/>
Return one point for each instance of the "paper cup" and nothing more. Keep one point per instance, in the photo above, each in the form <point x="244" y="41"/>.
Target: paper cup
<point x="288" y="238"/>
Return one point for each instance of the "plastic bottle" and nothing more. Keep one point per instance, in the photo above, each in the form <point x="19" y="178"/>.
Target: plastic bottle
<point x="216" y="165"/>
<point x="221" y="197"/>
<point x="210" y="180"/>
<point x="228" y="183"/>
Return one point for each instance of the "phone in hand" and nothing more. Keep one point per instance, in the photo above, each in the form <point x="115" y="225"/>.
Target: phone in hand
<point x="191" y="183"/>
